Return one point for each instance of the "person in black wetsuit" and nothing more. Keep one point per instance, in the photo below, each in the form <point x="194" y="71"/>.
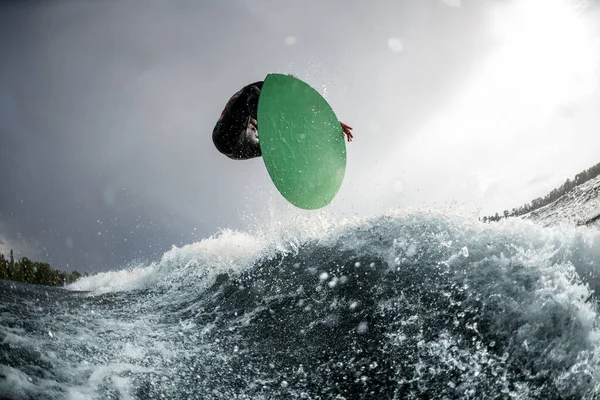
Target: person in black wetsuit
<point x="236" y="131"/>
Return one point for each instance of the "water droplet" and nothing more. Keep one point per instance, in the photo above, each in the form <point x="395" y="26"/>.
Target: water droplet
<point x="452" y="3"/>
<point x="362" y="327"/>
<point x="395" y="45"/>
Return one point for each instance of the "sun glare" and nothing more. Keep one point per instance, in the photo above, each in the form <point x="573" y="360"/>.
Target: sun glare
<point x="546" y="58"/>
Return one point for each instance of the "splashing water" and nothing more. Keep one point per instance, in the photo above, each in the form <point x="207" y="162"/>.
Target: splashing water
<point x="404" y="305"/>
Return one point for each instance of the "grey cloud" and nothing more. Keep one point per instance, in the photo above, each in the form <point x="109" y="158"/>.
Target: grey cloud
<point x="106" y="108"/>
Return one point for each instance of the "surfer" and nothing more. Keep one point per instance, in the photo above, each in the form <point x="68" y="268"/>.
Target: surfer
<point x="236" y="131"/>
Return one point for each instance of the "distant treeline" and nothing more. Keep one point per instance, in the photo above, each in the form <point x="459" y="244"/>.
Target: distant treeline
<point x="551" y="197"/>
<point x="38" y="273"/>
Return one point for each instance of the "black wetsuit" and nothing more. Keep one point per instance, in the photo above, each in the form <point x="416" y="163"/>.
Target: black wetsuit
<point x="233" y="134"/>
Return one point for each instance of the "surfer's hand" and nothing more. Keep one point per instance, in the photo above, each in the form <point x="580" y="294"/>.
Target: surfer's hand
<point x="253" y="124"/>
<point x="347" y="131"/>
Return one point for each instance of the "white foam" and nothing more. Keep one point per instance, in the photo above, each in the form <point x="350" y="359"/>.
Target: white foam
<point x="226" y="252"/>
<point x="114" y="281"/>
<point x="285" y="229"/>
<point x="14" y="383"/>
<point x="122" y="385"/>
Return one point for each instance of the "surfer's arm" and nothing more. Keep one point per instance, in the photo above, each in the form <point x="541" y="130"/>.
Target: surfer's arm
<point x="347" y="131"/>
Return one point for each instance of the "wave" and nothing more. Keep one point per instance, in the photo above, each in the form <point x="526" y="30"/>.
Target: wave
<point x="406" y="304"/>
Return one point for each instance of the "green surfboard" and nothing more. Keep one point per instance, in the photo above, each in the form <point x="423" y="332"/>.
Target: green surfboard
<point x="301" y="141"/>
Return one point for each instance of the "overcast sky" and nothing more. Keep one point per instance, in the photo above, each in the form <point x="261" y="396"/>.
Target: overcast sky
<point x="107" y="110"/>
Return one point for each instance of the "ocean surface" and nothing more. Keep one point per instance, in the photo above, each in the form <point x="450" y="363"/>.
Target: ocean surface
<point x="410" y="305"/>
